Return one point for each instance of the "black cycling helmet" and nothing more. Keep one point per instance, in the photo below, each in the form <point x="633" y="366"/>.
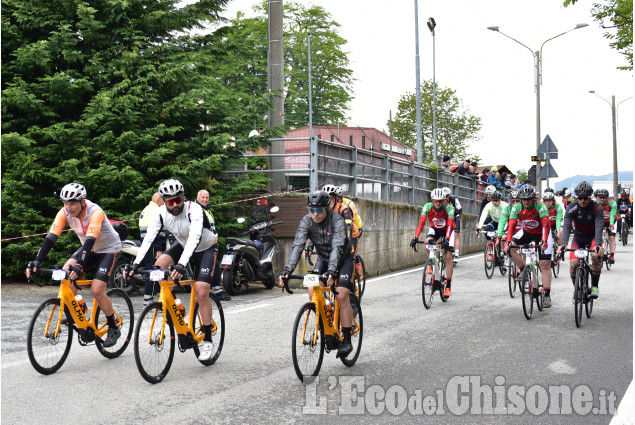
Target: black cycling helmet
<point x="623" y="194"/>
<point x="527" y="192"/>
<point x="583" y="189"/>
<point x="602" y="192"/>
<point x="548" y="190"/>
<point x="318" y="198"/>
<point x="496" y="195"/>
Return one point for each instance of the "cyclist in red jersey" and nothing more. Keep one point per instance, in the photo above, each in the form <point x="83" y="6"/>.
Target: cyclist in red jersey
<point x="586" y="218"/>
<point x="441" y="217"/>
<point x="534" y="218"/>
<point x="610" y="211"/>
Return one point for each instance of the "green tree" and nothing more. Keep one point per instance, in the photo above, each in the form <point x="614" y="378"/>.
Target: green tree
<point x="616" y="16"/>
<point x="522" y="175"/>
<point x="456" y="129"/>
<point x="115" y="96"/>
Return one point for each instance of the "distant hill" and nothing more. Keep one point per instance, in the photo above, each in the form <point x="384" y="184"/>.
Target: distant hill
<point x="571" y="182"/>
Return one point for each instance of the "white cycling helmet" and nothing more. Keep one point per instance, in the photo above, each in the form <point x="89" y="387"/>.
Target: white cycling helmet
<point x="437" y="194"/>
<point x="513" y="194"/>
<point x="170" y="187"/>
<point x="73" y="192"/>
<point x="447" y="191"/>
<point x="339" y="191"/>
<point x="330" y="189"/>
<point x="490" y="189"/>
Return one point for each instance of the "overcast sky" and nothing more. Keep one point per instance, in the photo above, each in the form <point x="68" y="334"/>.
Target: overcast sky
<point x="493" y="75"/>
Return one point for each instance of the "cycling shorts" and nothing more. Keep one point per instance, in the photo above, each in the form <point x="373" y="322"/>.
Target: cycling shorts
<point x="523" y="238"/>
<point x="580" y="241"/>
<point x="204" y="261"/>
<point x="607" y="225"/>
<point x="457" y="223"/>
<point x="435" y="234"/>
<point x="104" y="262"/>
<point x="345" y="272"/>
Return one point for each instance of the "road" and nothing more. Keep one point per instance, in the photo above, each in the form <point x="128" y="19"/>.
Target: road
<point x="445" y="363"/>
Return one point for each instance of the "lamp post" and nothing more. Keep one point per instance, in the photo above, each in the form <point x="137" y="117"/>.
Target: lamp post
<point x="538" y="81"/>
<point x="431" y="25"/>
<point x="418" y="86"/>
<point x="614" y="125"/>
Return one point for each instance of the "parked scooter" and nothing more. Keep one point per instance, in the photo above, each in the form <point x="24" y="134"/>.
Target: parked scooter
<point x="249" y="260"/>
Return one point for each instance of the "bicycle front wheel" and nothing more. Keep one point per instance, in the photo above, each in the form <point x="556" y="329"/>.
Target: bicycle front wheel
<point x="152" y="353"/>
<point x="218" y="328"/>
<point x="357" y="332"/>
<point x="538" y="289"/>
<point x="307" y="344"/>
<point x="624" y="233"/>
<point x="489" y="259"/>
<point x="607" y="262"/>
<point x="427" y="283"/>
<point x="578" y="296"/>
<point x="528" y="293"/>
<point x="47" y="345"/>
<point x="555" y="264"/>
<point x="359" y="272"/>
<point x="124" y="318"/>
<point x="588" y="304"/>
<point x="442" y="290"/>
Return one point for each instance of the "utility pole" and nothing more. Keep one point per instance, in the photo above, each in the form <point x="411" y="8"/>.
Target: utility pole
<point x="275" y="84"/>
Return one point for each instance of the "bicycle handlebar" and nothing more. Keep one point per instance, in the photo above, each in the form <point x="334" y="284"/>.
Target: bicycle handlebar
<point x="301" y="277"/>
<point x="166" y="273"/>
<point x="33" y="277"/>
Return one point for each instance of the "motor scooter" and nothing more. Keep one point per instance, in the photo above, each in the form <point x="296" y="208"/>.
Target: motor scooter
<point x="249" y="260"/>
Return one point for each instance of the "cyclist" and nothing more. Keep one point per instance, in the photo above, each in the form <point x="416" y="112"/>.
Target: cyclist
<point x="327" y="231"/>
<point x="357" y="220"/>
<point x="624" y="207"/>
<point x="610" y="210"/>
<point x="491" y="213"/>
<point x="504" y="217"/>
<point x="556" y="213"/>
<point x="488" y="192"/>
<point x="534" y="219"/>
<point x="195" y="238"/>
<point x="458" y="210"/>
<point x="441" y="217"/>
<point x="100" y="246"/>
<point x="586" y="218"/>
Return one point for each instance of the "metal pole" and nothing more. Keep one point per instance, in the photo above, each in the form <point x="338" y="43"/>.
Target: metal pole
<point x="313" y="177"/>
<point x="537" y="56"/>
<point x="615" y="175"/>
<point x="390" y="118"/>
<point x="418" y="102"/>
<point x="434" y="99"/>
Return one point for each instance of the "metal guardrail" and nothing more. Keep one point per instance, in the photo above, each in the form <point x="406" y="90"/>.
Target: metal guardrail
<point x="366" y="174"/>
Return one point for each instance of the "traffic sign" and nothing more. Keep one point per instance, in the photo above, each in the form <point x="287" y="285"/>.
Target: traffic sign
<point x="547" y="172"/>
<point x="535" y="158"/>
<point x="548" y="148"/>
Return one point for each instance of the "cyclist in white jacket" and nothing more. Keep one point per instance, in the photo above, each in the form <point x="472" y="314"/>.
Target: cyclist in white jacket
<point x="195" y="238"/>
<point x="492" y="212"/>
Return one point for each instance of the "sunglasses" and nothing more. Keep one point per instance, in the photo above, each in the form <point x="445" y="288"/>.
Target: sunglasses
<point x="173" y="201"/>
<point x="601" y="198"/>
<point x="515" y="201"/>
<point x="583" y="198"/>
<point x="319" y="210"/>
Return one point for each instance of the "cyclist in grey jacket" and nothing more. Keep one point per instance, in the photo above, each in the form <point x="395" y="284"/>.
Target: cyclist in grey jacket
<point x="331" y="238"/>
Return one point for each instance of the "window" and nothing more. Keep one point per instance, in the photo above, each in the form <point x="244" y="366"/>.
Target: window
<point x="332" y="137"/>
<point x="363" y="142"/>
<point x="351" y="140"/>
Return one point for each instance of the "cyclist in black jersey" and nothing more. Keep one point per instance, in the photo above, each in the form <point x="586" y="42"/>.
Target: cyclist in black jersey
<point x="586" y="218"/>
<point x="624" y="206"/>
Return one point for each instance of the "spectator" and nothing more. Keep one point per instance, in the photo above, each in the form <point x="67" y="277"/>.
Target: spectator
<point x="202" y="198"/>
<point x="484" y="176"/>
<point x="464" y="169"/>
<point x="444" y="164"/>
<point x="502" y="179"/>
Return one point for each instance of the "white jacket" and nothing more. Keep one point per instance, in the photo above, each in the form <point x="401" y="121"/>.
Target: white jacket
<point x="188" y="228"/>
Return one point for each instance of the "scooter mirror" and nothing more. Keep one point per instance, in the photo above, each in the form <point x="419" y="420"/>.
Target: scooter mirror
<point x="274" y="209"/>
<point x="240" y="219"/>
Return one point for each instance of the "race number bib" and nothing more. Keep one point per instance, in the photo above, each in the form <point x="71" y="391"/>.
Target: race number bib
<point x="156" y="275"/>
<point x="311" y="280"/>
<point x="59" y="274"/>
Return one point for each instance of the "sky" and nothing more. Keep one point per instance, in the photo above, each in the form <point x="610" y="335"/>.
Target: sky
<point x="493" y="75"/>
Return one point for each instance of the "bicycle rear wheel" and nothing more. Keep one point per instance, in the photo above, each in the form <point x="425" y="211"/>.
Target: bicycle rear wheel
<point x="124" y="317"/>
<point x="359" y="273"/>
<point x="218" y="328"/>
<point x="511" y="278"/>
<point x="607" y="248"/>
<point x="578" y="296"/>
<point x="442" y="274"/>
<point x="427" y="283"/>
<point x="307" y="344"/>
<point x="48" y="352"/>
<point x="555" y="263"/>
<point x="153" y="355"/>
<point x="488" y="258"/>
<point x="357" y="332"/>
<point x="528" y="293"/>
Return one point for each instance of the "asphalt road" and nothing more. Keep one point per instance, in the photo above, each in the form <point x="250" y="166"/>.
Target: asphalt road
<point x="444" y="364"/>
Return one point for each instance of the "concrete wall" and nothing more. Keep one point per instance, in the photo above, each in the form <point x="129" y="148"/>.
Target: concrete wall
<point x="385" y="243"/>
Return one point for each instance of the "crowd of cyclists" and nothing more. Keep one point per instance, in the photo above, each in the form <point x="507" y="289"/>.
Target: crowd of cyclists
<point x="332" y="228"/>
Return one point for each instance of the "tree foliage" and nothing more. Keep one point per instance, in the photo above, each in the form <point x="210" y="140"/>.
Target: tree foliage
<point x="456" y="129"/>
<point x="114" y="95"/>
<point x="616" y="16"/>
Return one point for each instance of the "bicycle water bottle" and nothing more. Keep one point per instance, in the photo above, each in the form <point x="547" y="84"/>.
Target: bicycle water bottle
<point x="180" y="306"/>
<point x="81" y="303"/>
<point x="329" y="307"/>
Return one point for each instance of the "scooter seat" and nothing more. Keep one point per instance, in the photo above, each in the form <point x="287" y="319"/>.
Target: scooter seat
<point x="241" y="241"/>
<point x="131" y="243"/>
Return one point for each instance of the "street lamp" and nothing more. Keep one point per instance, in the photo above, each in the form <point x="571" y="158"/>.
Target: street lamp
<point x="431" y="25"/>
<point x="614" y="120"/>
<point x="538" y="81"/>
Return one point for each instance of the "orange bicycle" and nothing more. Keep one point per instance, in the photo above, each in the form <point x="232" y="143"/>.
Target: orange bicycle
<point x="50" y="333"/>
